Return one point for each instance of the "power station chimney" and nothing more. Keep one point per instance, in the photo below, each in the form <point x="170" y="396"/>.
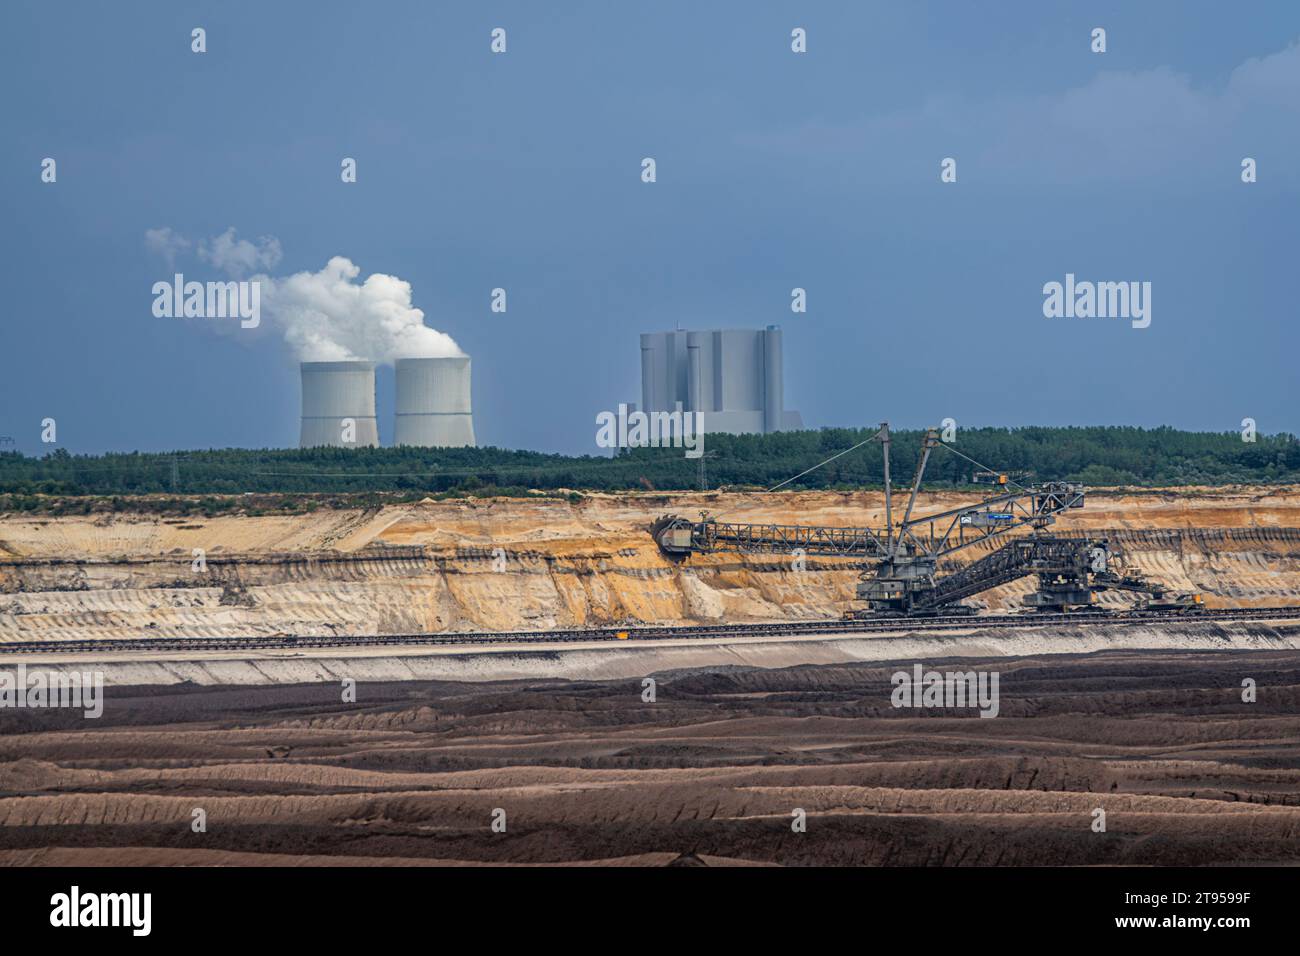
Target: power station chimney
<point x="433" y="403"/>
<point x="338" y="405"/>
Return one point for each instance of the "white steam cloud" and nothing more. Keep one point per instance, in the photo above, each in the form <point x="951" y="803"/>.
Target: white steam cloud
<point x="166" y="243"/>
<point x="328" y="316"/>
<point x="325" y="316"/>
<point x="239" y="257"/>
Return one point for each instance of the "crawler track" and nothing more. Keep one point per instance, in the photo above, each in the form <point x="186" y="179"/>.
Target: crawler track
<point x="701" y="632"/>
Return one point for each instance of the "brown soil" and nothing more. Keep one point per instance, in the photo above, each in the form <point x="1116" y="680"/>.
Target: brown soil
<point x="709" y="773"/>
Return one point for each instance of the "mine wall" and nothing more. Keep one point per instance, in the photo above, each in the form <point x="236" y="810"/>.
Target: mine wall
<point x="386" y="588"/>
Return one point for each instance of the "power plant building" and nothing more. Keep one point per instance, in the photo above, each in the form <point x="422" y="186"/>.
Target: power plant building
<point x="338" y="403"/>
<point x="433" y="403"/>
<point x="734" y="376"/>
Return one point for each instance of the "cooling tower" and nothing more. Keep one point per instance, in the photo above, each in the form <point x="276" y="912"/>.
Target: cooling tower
<point x="433" y="407"/>
<point x="332" y="393"/>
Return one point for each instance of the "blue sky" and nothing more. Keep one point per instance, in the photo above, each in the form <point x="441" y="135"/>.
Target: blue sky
<point x="775" y="170"/>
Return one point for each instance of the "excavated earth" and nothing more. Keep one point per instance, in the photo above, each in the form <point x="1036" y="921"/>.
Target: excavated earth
<point x="1146" y="724"/>
<point x="508" y="564"/>
<point x="713" y="771"/>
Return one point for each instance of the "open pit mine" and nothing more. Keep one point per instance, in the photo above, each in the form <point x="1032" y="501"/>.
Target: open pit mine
<point x="632" y="703"/>
<point x="136" y="592"/>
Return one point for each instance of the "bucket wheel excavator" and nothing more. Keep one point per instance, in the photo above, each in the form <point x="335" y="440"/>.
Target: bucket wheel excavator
<point x="900" y="561"/>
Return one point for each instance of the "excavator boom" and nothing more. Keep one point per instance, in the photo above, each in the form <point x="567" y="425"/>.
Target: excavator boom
<point x="900" y="559"/>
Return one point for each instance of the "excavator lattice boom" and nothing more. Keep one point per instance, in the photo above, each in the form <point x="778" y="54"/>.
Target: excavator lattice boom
<point x="900" y="561"/>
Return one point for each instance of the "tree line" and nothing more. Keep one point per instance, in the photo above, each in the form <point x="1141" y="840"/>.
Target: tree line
<point x="1097" y="456"/>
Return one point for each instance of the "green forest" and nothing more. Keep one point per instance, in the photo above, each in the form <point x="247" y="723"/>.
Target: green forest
<point x="1097" y="456"/>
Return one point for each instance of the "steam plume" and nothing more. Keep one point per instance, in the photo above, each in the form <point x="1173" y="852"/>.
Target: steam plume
<point x="325" y="316"/>
<point x="328" y="316"/>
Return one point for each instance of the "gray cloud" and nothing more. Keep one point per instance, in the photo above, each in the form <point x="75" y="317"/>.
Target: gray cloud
<point x="1120" y="126"/>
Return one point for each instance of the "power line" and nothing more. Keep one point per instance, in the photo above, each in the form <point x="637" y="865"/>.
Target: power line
<point x="827" y="461"/>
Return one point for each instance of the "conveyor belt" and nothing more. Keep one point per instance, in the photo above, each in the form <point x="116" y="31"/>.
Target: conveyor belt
<point x="631" y="634"/>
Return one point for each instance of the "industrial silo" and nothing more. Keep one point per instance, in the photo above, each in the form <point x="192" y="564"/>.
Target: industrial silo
<point x="433" y="403"/>
<point x="338" y="405"/>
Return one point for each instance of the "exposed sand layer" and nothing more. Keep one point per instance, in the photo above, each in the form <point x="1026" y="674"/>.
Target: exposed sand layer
<point x="712" y="771"/>
<point x="431" y="567"/>
<point x="622" y="660"/>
